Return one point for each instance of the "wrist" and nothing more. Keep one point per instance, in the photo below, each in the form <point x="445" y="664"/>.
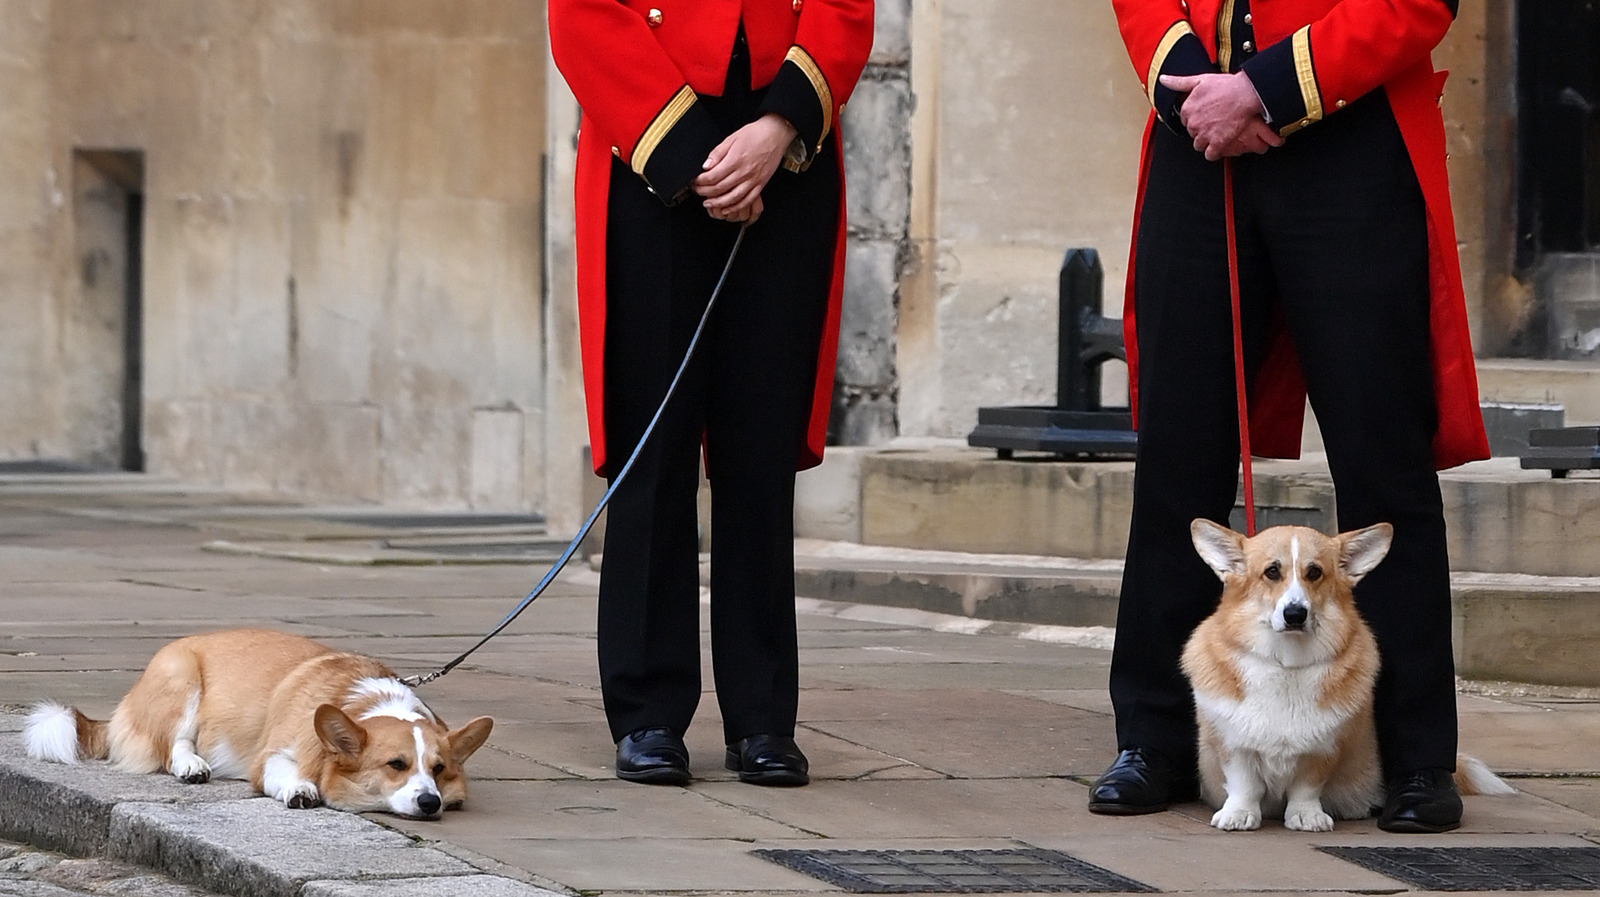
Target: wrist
<point x="785" y="130"/>
<point x="1248" y="90"/>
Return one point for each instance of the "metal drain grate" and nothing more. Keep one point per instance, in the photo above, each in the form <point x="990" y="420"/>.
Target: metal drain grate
<point x="1482" y="868"/>
<point x="954" y="871"/>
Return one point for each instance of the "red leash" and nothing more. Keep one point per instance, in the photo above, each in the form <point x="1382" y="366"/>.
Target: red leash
<point x="1238" y="349"/>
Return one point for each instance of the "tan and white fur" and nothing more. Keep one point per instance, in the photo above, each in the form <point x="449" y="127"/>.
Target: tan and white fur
<point x="1283" y="674"/>
<point x="307" y="725"/>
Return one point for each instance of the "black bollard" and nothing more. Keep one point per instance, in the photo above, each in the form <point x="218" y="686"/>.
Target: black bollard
<point x="1562" y="449"/>
<point x="1078" y="426"/>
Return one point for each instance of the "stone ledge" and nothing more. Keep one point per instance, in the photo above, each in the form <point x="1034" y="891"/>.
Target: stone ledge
<point x="1501" y="519"/>
<point x="69" y="808"/>
<point x="1021" y="589"/>
<point x="221" y="837"/>
<point x="258" y="848"/>
<point x="1513" y="627"/>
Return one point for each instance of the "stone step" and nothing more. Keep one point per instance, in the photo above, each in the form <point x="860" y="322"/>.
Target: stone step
<point x="1502" y="519"/>
<point x="1574" y="385"/>
<point x="1507" y="627"/>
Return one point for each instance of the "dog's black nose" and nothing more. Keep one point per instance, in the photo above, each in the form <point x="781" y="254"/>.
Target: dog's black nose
<point x="428" y="804"/>
<point x="1294" y="616"/>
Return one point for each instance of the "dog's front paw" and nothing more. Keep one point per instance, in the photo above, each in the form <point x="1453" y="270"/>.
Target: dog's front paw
<point x="191" y="770"/>
<point x="301" y="796"/>
<point x="303" y="802"/>
<point x="1307" y="819"/>
<point x="1237" y="819"/>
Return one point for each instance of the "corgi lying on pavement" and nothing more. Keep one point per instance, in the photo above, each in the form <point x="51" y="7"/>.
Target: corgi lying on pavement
<point x="1283" y="673"/>
<point x="307" y="726"/>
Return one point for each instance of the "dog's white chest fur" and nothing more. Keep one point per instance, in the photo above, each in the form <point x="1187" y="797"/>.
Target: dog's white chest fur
<point x="1278" y="720"/>
<point x="1279" y="713"/>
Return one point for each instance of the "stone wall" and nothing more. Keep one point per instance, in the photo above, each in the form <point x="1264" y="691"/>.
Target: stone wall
<point x="877" y="147"/>
<point x="1025" y="144"/>
<point x="342" y="215"/>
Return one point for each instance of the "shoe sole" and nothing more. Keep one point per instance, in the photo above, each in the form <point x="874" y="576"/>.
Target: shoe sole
<point x="659" y="775"/>
<point x="1418" y="828"/>
<point x="774" y="777"/>
<point x="782" y="777"/>
<point x="1114" y="809"/>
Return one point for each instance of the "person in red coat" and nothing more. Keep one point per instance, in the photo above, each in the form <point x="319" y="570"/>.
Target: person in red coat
<point x="700" y="117"/>
<point x="1350" y="291"/>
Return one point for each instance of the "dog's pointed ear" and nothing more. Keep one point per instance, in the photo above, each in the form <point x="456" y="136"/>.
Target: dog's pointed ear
<point x="1221" y="548"/>
<point x="339" y="733"/>
<point x="1363" y="549"/>
<point x="467" y="739"/>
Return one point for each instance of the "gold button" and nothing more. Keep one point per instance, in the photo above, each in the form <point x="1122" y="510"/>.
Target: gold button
<point x="654" y="18"/>
<point x="1247" y="18"/>
<point x="797" y="4"/>
<point x="1339" y="104"/>
<point x="616" y="152"/>
<point x="1249" y="47"/>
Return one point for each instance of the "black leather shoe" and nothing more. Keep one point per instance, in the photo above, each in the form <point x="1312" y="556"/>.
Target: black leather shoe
<point x="768" y="760"/>
<point x="1142" y="781"/>
<point x="654" y="756"/>
<point x="1422" y="802"/>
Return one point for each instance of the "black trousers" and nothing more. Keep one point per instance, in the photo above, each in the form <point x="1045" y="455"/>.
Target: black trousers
<point x="748" y="395"/>
<point x="1332" y="235"/>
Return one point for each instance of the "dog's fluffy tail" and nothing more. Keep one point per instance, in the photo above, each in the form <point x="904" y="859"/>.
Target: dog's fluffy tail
<point x="1473" y="777"/>
<point x="64" y="735"/>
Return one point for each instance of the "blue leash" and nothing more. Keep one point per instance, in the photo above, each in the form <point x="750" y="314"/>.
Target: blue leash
<point x="572" y="547"/>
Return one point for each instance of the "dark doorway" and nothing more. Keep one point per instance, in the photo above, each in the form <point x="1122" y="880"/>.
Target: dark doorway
<point x="1558" y="178"/>
<point x="1558" y="93"/>
<point x="103" y="336"/>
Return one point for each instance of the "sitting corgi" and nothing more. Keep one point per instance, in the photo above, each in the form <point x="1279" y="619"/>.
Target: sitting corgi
<point x="307" y="726"/>
<point x="1283" y="673"/>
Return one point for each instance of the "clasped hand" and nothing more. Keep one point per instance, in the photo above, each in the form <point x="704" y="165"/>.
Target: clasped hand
<point x="739" y="167"/>
<point x="1223" y="114"/>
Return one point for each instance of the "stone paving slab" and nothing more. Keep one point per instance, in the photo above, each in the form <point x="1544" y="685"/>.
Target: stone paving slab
<point x="1519" y="742"/>
<point x="1582" y="795"/>
<point x="1060" y="741"/>
<point x="594" y="811"/>
<point x="657" y="866"/>
<point x="939" y="809"/>
<point x="456" y="886"/>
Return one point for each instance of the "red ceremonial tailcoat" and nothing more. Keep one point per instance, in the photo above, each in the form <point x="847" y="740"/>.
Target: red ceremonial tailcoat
<point x="1314" y="57"/>
<point x="636" y="66"/>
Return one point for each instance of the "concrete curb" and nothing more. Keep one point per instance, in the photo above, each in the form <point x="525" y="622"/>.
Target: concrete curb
<point x="221" y="836"/>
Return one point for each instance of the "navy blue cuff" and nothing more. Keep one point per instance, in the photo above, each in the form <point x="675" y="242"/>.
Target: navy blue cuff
<point x="1187" y="57"/>
<point x="681" y="155"/>
<point x="792" y="96"/>
<point x="1277" y="82"/>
